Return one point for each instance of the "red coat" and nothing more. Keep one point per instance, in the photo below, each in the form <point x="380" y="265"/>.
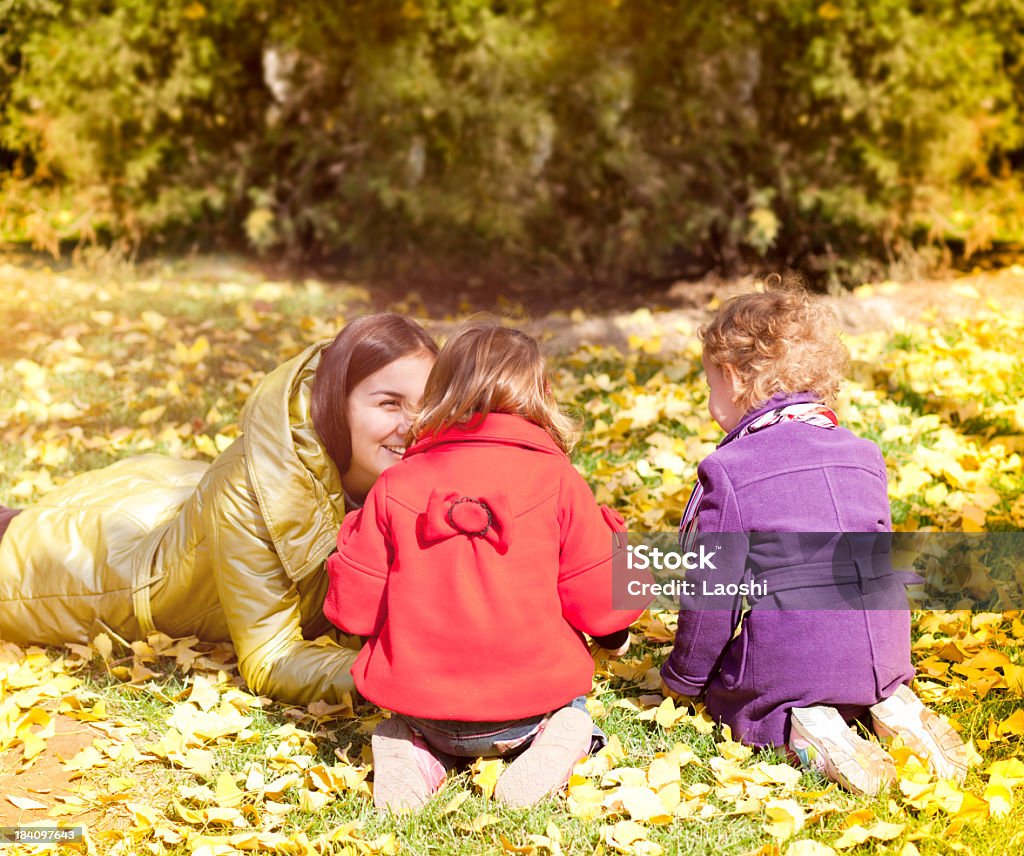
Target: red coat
<point x="472" y="568"/>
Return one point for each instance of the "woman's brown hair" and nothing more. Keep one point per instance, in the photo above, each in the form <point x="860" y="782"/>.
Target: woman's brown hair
<point x="366" y="345"/>
<point x="486" y="368"/>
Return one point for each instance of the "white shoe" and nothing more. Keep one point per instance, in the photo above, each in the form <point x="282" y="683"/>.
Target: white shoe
<point x="821" y="739"/>
<point x="923" y="731"/>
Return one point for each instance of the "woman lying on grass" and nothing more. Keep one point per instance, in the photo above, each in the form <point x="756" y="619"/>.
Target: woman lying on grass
<point x="234" y="550"/>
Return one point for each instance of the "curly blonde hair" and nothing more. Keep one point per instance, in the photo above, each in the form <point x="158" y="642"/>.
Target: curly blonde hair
<point x="486" y="368"/>
<point x="777" y="340"/>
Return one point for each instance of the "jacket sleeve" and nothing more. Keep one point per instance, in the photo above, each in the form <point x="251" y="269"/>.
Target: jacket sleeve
<point x="706" y="623"/>
<point x="885" y="517"/>
<point x="262" y="607"/>
<point x="359" y="570"/>
<point x="590" y="538"/>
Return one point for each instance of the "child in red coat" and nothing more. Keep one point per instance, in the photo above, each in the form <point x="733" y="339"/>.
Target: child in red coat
<point x="474" y="569"/>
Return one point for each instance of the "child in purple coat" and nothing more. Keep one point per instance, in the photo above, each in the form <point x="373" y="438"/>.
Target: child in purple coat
<point x="822" y="637"/>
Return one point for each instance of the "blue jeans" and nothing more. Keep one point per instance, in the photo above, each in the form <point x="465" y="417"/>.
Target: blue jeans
<point x="488" y="739"/>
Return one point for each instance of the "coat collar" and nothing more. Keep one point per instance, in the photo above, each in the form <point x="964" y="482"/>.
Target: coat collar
<point x="296" y="483"/>
<point x="780" y="399"/>
<point x="504" y="428"/>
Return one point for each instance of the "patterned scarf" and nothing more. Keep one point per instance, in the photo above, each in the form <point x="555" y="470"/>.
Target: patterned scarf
<point x="809" y="412"/>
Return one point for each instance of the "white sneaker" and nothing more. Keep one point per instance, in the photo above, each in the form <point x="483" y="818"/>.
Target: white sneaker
<point x="923" y="731"/>
<point x="821" y="739"/>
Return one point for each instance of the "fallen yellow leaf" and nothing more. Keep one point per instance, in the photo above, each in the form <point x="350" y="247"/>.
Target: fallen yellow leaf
<point x="481" y="821"/>
<point x="785" y="818"/>
<point x="485" y="774"/>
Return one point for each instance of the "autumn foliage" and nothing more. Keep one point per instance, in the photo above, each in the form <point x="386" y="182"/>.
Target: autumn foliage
<point x="598" y="140"/>
<point x="181" y="758"/>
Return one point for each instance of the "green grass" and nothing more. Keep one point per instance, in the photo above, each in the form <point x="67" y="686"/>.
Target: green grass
<point x="251" y="327"/>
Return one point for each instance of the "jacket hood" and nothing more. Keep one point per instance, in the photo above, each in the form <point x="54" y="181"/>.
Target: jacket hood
<point x="505" y="428"/>
<point x="296" y="482"/>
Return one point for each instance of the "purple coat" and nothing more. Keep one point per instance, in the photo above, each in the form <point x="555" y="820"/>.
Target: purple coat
<point x="833" y="627"/>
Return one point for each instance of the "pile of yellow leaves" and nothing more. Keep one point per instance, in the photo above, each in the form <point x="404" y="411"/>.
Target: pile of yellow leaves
<point x="180" y="758"/>
<point x="213" y="811"/>
<point x="208" y="809"/>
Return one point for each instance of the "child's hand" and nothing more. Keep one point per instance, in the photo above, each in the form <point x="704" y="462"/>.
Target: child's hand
<point x="620" y="652"/>
<point x="678" y="698"/>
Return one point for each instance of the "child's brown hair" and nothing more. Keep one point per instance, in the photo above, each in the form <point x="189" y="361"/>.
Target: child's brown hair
<point x="486" y="368"/>
<point x="779" y="340"/>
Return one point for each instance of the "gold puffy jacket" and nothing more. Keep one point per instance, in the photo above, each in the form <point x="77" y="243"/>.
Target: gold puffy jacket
<point x="233" y="550"/>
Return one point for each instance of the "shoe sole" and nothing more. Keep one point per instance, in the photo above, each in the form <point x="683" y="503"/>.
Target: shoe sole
<point x="547" y="764"/>
<point x="923" y="731"/>
<point x="849" y="758"/>
<point x="398" y="783"/>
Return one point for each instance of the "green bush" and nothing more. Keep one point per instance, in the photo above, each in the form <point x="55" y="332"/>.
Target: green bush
<point x="593" y="138"/>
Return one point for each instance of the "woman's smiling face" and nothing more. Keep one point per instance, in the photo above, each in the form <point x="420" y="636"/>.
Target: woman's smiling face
<point x="379" y="412"/>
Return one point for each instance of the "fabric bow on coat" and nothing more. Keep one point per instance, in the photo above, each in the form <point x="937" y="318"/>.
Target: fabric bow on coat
<point x="449" y="514"/>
